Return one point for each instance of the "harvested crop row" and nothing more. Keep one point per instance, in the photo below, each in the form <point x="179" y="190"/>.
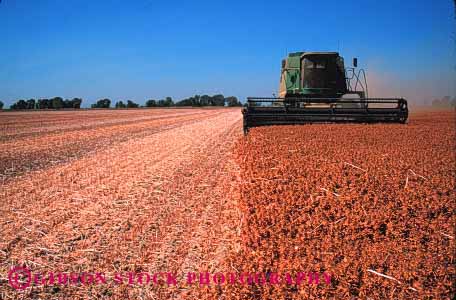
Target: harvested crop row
<point x="372" y="205"/>
<point x="21" y="155"/>
<point x="37" y="123"/>
<point x="159" y="202"/>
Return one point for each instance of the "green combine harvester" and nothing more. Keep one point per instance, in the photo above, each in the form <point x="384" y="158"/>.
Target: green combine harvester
<point x="316" y="87"/>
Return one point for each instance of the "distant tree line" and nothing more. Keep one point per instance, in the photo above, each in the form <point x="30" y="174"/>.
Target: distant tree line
<point x="60" y="103"/>
<point x="130" y="104"/>
<point x="444" y="102"/>
<point x="205" y="100"/>
<point x="54" y="103"/>
<point x="195" y="101"/>
<point x="167" y="102"/>
<point x="103" y="103"/>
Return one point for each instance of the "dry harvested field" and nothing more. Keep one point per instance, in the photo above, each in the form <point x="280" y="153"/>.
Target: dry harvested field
<point x="368" y="208"/>
<point x="31" y="141"/>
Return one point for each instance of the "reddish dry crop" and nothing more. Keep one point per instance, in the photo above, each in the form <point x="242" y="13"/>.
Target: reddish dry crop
<point x="371" y="204"/>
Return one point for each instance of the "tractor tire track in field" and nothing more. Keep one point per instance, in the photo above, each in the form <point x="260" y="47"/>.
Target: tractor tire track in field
<point x="162" y="202"/>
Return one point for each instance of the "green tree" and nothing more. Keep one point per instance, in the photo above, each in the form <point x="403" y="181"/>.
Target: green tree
<point x="192" y="101"/>
<point x="151" y="103"/>
<point x="218" y="100"/>
<point x="20" y="104"/>
<point x="196" y="100"/>
<point x="232" y="101"/>
<point x="31" y="104"/>
<point x="205" y="100"/>
<point x="57" y="102"/>
<point x="168" y="101"/>
<point x="76" y="103"/>
<point x="120" y="104"/>
<point x="1" y="105"/>
<point x="131" y="104"/>
<point x="161" y="103"/>
<point x="43" y="104"/>
<point x="67" y="103"/>
<point x="102" y="103"/>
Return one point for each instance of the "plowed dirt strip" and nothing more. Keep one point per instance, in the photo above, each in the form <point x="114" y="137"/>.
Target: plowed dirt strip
<point x="21" y="155"/>
<point x="165" y="202"/>
<point x="373" y="205"/>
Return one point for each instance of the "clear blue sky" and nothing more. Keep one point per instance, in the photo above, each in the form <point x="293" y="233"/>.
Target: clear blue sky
<point x="146" y="49"/>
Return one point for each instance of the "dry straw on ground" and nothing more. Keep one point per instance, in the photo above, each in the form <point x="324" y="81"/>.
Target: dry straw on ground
<point x="151" y="196"/>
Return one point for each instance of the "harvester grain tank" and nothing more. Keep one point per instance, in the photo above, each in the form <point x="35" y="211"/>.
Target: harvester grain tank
<point x="317" y="87"/>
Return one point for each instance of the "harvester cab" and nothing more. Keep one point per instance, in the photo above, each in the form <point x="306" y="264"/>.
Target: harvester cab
<point x="317" y="87"/>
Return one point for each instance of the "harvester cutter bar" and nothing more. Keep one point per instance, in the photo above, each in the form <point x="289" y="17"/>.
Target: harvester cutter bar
<point x="281" y="111"/>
